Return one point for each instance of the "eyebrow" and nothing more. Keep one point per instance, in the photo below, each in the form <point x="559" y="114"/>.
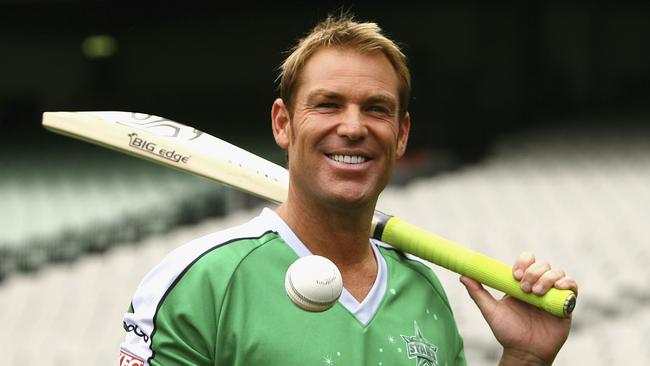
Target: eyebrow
<point x="330" y="94"/>
<point x="320" y="92"/>
<point x="382" y="99"/>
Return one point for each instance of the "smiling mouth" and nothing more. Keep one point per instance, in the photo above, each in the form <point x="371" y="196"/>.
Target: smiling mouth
<point x="347" y="159"/>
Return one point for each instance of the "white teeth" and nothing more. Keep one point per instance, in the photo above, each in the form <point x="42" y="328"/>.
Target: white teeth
<point x="348" y="159"/>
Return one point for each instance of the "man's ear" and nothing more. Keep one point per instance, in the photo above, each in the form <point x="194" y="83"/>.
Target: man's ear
<point x="280" y="120"/>
<point x="403" y="135"/>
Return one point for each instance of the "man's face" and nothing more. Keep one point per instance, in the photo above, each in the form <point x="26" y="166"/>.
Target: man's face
<point x="345" y="134"/>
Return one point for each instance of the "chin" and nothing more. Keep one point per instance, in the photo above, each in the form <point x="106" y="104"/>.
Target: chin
<point x="354" y="199"/>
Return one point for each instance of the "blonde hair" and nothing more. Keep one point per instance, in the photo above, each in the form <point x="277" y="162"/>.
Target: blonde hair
<point x="343" y="31"/>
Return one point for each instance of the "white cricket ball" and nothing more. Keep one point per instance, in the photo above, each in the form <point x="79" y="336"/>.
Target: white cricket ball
<point x="313" y="283"/>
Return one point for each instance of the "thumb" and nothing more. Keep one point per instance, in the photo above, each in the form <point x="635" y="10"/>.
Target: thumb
<point x="483" y="299"/>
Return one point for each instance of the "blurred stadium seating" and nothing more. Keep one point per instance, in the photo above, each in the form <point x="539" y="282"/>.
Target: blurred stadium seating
<point x="80" y="226"/>
<point x="59" y="205"/>
<point x="576" y="195"/>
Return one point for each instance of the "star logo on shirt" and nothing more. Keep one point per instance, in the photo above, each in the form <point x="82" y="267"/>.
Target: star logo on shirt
<point x="418" y="347"/>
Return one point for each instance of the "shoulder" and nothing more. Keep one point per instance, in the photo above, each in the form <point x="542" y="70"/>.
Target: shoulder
<point x="201" y="269"/>
<point x="220" y="251"/>
<point x="404" y="259"/>
<point x="413" y="264"/>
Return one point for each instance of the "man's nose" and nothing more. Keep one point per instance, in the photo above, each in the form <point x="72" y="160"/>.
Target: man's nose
<point x="352" y="125"/>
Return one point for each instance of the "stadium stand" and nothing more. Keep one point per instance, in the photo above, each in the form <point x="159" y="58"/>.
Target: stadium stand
<point x="578" y="196"/>
<point x="59" y="206"/>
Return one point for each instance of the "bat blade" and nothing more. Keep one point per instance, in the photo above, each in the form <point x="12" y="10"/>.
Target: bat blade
<point x="187" y="149"/>
<point x="176" y="145"/>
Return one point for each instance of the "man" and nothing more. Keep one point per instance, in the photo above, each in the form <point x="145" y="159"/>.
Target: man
<point x="343" y="120"/>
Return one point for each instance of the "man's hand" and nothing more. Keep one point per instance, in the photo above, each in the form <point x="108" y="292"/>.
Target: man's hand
<point x="529" y="336"/>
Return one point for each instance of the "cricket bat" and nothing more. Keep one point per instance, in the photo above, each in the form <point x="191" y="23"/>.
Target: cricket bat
<point x="188" y="149"/>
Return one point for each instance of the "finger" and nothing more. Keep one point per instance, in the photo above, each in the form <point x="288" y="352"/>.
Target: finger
<point x="483" y="299"/>
<point x="533" y="274"/>
<point x="547" y="280"/>
<point x="567" y="283"/>
<point x="525" y="260"/>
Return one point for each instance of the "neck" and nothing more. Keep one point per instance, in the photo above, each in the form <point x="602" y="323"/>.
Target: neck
<point x="340" y="234"/>
<point x="338" y="231"/>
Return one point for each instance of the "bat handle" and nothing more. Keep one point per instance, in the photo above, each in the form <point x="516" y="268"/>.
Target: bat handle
<point x="488" y="271"/>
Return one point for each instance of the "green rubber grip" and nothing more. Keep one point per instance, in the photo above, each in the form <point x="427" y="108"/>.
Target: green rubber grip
<point x="490" y="272"/>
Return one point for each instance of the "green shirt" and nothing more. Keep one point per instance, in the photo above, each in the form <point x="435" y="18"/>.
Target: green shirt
<point x="220" y="300"/>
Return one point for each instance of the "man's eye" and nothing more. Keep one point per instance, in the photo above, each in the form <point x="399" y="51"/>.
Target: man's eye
<point x="327" y="105"/>
<point x="378" y="109"/>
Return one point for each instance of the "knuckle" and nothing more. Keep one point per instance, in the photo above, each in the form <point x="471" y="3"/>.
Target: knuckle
<point x="527" y="256"/>
<point x="559" y="273"/>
